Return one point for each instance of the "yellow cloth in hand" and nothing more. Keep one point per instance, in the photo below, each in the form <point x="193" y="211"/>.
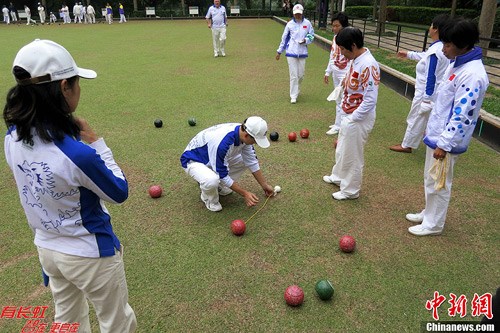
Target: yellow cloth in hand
<point x="439" y="171"/>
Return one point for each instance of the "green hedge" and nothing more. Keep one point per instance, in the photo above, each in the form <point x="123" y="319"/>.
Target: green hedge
<point x="418" y="15"/>
<point x="178" y="13"/>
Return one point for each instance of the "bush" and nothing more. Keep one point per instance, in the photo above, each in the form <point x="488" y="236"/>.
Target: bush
<point x="417" y="15"/>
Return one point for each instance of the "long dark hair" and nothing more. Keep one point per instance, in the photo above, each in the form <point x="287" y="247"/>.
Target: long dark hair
<point x="39" y="106"/>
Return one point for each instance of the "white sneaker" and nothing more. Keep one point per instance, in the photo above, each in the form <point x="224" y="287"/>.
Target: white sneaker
<point x="223" y="54"/>
<point x="415" y="218"/>
<point x="332" y="131"/>
<point x="418" y="230"/>
<point x="215" y="55"/>
<point x="329" y="180"/>
<point x="211" y="206"/>
<point x="293" y="100"/>
<point x="341" y="196"/>
<point x="331" y="126"/>
<point x="224" y="190"/>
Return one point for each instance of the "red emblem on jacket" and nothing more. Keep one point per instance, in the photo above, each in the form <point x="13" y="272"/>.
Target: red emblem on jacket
<point x="452" y="77"/>
<point x="305" y="26"/>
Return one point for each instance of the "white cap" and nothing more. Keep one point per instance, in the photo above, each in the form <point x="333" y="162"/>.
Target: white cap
<point x="47" y="61"/>
<point x="298" y="9"/>
<point x="257" y="128"/>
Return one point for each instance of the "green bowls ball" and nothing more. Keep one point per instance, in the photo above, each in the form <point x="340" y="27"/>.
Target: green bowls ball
<point x="192" y="121"/>
<point x="324" y="289"/>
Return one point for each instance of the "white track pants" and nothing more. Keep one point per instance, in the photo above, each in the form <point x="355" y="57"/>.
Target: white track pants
<point x="219" y="40"/>
<point x="349" y="155"/>
<point x="297" y="68"/>
<point x="436" y="201"/>
<point x="209" y="180"/>
<point x="73" y="279"/>
<point x="339" y="113"/>
<point x="417" y="122"/>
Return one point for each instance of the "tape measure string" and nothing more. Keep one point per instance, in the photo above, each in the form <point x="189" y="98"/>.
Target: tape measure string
<point x="264" y="205"/>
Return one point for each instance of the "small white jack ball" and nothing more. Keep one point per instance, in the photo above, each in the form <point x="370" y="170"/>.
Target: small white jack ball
<point x="277" y="189"/>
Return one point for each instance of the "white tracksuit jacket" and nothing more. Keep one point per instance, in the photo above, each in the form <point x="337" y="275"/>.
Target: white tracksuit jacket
<point x="217" y="147"/>
<point x="294" y="33"/>
<point x="62" y="186"/>
<point x="456" y="110"/>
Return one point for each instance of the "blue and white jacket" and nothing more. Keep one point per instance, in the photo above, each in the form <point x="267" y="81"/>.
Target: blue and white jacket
<point x="218" y="147"/>
<point x="430" y="69"/>
<point x="62" y="185"/>
<point x="294" y="33"/>
<point x="456" y="110"/>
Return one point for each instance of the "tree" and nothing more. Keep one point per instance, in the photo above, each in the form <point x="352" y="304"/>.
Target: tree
<point x="486" y="22"/>
<point x="453" y="8"/>
<point x="382" y="16"/>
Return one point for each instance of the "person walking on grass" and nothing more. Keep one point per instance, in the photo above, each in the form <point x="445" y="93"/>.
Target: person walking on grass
<point x="217" y="157"/>
<point x="359" y="103"/>
<point x="430" y="73"/>
<point x="337" y="68"/>
<point x="64" y="172"/>
<point x="297" y="35"/>
<point x="217" y="21"/>
<point x="122" y="13"/>
<point x="451" y="122"/>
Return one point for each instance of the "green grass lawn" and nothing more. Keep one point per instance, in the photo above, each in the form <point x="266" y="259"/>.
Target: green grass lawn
<point x="185" y="270"/>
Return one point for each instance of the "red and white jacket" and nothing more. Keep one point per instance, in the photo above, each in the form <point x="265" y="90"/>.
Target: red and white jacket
<point x="337" y="64"/>
<point x="361" y="87"/>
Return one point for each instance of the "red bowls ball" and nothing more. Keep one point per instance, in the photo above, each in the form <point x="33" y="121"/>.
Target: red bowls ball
<point x="294" y="295"/>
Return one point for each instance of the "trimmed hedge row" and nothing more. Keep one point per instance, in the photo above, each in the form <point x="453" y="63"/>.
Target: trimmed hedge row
<point x="417" y="15"/>
<point x="202" y="11"/>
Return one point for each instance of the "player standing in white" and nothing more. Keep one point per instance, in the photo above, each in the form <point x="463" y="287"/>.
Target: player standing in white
<point x="337" y="68"/>
<point x="359" y="103"/>
<point x="41" y="13"/>
<point x="217" y="21"/>
<point x="430" y="73"/>
<point x="91" y="14"/>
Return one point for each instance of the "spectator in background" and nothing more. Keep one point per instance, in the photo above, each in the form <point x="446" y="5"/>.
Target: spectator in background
<point x="52" y="18"/>
<point x="337" y="68"/>
<point x="217" y="21"/>
<point x="451" y="122"/>
<point x="359" y="103"/>
<point x="65" y="14"/>
<point x="430" y="73"/>
<point x="13" y="12"/>
<point x="91" y="14"/>
<point x="6" y="17"/>
<point x="77" y="10"/>
<point x="41" y="13"/>
<point x="122" y="13"/>
<point x="82" y="12"/>
<point x="297" y="35"/>
<point x="109" y="13"/>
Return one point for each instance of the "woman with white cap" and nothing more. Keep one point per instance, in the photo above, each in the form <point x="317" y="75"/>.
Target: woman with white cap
<point x="62" y="183"/>
<point x="297" y="35"/>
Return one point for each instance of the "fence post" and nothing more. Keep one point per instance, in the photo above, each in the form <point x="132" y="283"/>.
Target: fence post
<point x="425" y="40"/>
<point x="398" y="38"/>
